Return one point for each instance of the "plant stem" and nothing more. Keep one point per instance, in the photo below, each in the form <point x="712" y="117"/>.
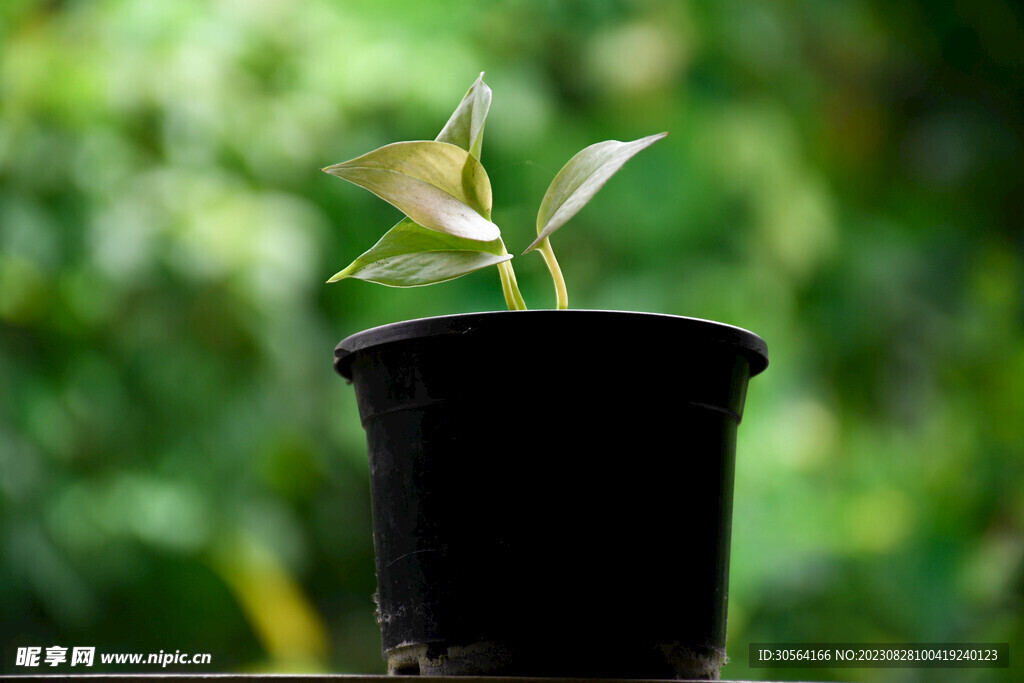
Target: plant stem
<point x="520" y="301"/>
<point x="561" y="294"/>
<point x="509" y="286"/>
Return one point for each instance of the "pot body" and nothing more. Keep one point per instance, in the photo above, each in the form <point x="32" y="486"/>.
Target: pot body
<point x="552" y="490"/>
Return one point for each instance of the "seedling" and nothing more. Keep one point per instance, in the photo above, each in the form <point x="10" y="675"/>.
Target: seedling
<point x="445" y="194"/>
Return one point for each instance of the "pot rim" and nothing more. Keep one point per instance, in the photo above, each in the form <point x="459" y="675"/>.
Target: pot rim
<point x="751" y="345"/>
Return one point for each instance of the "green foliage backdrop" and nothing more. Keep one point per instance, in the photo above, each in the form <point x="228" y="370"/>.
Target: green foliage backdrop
<point x="179" y="467"/>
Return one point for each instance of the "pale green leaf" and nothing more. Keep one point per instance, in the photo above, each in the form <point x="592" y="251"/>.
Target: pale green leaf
<point x="438" y="185"/>
<point x="581" y="178"/>
<point x="410" y="255"/>
<point x="465" y="128"/>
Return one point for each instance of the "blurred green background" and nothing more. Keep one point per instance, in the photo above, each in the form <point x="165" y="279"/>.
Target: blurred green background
<point x="180" y="469"/>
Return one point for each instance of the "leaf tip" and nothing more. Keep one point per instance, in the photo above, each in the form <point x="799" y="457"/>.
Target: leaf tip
<point x="649" y="140"/>
<point x="533" y="245"/>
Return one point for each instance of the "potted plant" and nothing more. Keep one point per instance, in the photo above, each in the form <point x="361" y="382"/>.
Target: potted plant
<point x="552" y="489"/>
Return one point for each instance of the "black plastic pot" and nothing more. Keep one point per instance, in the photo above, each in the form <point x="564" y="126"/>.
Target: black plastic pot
<point x="552" y="490"/>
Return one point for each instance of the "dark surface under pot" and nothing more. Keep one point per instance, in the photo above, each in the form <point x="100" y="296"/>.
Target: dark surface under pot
<point x="552" y="490"/>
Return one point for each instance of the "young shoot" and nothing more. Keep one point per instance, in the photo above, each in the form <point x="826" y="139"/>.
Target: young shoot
<point x="445" y="194"/>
